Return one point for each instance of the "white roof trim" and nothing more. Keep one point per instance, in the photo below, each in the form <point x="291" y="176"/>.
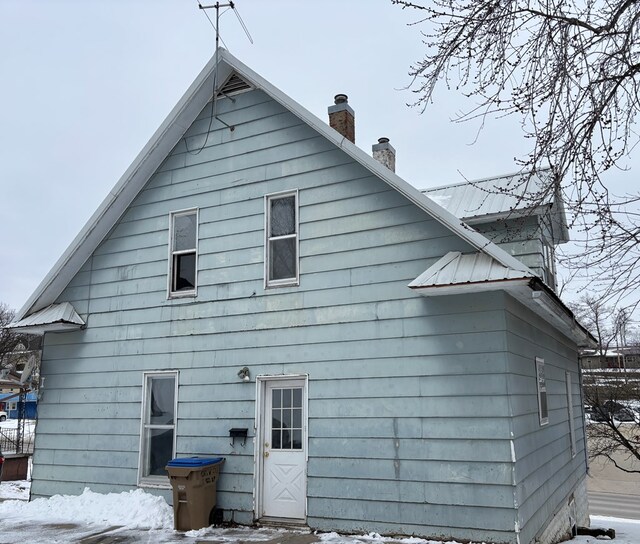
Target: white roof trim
<point x="170" y="132"/>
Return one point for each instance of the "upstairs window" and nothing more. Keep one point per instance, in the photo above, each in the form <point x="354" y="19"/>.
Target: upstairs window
<point x="281" y="262"/>
<point x="184" y="253"/>
<point x="543" y="410"/>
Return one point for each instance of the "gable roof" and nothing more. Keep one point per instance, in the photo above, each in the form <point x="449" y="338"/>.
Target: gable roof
<point x="168" y="135"/>
<point x="502" y="197"/>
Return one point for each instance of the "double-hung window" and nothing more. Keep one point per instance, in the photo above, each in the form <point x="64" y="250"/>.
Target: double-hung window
<point x="183" y="253"/>
<point x="158" y="430"/>
<point x="281" y="244"/>
<point x="543" y="410"/>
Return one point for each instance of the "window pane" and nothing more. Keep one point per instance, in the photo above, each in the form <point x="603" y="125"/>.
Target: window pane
<point x="297" y="419"/>
<point x="286" y="398"/>
<point x="162" y="401"/>
<point x="297" y="398"/>
<point x="286" y="439"/>
<point x="276" y="395"/>
<point x="159" y="451"/>
<point x="275" y="439"/>
<point x="276" y="419"/>
<point x="296" y="440"/>
<point x="286" y="419"/>
<point x="184" y="232"/>
<point x="184" y="271"/>
<point x="543" y="405"/>
<point x="282" y="259"/>
<point x="283" y="216"/>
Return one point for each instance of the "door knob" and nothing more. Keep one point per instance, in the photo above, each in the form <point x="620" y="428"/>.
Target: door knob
<point x="266" y="454"/>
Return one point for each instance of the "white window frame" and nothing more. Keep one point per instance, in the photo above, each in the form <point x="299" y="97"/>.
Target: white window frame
<point x="267" y="238"/>
<point x="541" y="387"/>
<point x="572" y="429"/>
<point x="170" y="279"/>
<point x="154" y="480"/>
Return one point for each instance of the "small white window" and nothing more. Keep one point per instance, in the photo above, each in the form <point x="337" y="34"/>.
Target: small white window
<point x="543" y="410"/>
<point x="572" y="430"/>
<point x="183" y="261"/>
<point x="158" y="430"/>
<point x="281" y="243"/>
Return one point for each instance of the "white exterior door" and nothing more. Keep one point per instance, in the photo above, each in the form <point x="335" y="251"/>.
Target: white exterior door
<point x="283" y="449"/>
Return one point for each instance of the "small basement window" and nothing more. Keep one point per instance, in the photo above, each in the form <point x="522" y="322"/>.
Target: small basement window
<point x="183" y="253"/>
<point x="281" y="244"/>
<point x="543" y="410"/>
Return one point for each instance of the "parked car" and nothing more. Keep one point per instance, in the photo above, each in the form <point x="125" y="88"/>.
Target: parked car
<point x="624" y="415"/>
<point x="597" y="414"/>
<point x="3" y="416"/>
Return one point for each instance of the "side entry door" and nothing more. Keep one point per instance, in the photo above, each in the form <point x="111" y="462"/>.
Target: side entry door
<point x="283" y="449"/>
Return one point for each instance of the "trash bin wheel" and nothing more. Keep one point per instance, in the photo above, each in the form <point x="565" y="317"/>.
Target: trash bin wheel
<point x="216" y="516"/>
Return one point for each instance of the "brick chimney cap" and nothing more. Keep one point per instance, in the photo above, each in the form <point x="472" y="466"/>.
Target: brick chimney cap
<point x="341" y="98"/>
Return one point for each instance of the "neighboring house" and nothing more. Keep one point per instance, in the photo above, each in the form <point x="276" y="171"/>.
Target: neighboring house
<point x="9" y="402"/>
<point x="501" y="209"/>
<point x="254" y="271"/>
<point x="19" y="367"/>
<point x="624" y="357"/>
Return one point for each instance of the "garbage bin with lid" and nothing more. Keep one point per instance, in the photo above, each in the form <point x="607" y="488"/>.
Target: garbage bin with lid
<point x="193" y="480"/>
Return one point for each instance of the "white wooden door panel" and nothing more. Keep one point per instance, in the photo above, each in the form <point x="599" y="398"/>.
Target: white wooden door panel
<point x="284" y="489"/>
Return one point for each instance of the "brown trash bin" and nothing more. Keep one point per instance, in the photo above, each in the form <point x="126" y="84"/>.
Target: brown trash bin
<point x="193" y="481"/>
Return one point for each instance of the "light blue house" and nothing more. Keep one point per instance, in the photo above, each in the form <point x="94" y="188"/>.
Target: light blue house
<point x="254" y="271"/>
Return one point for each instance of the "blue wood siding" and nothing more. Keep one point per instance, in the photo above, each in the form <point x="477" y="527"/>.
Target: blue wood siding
<point x="408" y="397"/>
<point x="545" y="471"/>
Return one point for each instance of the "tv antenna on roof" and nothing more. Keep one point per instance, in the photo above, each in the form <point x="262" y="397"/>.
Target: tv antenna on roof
<point x="217" y="6"/>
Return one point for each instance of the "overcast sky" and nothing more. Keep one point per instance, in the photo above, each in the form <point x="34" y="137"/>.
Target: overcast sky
<point x="86" y="83"/>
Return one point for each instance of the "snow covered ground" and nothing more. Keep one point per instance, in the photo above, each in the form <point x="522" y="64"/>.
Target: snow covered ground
<point x="137" y="516"/>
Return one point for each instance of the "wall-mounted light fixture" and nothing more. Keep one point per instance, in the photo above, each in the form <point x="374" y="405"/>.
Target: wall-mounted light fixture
<point x="244" y="374"/>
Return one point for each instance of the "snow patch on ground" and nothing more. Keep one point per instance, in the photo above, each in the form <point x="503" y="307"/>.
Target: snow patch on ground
<point x="140" y="514"/>
<point x="18" y="490"/>
<point x="134" y="509"/>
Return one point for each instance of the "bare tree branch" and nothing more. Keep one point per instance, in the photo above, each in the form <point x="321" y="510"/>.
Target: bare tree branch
<point x="570" y="70"/>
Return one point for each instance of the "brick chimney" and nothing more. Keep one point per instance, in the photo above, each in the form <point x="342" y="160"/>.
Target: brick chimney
<point x="384" y="153"/>
<point x="342" y="117"/>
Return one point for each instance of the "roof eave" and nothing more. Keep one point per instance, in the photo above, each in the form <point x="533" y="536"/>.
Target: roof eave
<point x="169" y="133"/>
<point x="532" y="293"/>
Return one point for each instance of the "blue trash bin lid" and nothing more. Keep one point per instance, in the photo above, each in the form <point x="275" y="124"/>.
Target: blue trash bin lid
<point x="194" y="461"/>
